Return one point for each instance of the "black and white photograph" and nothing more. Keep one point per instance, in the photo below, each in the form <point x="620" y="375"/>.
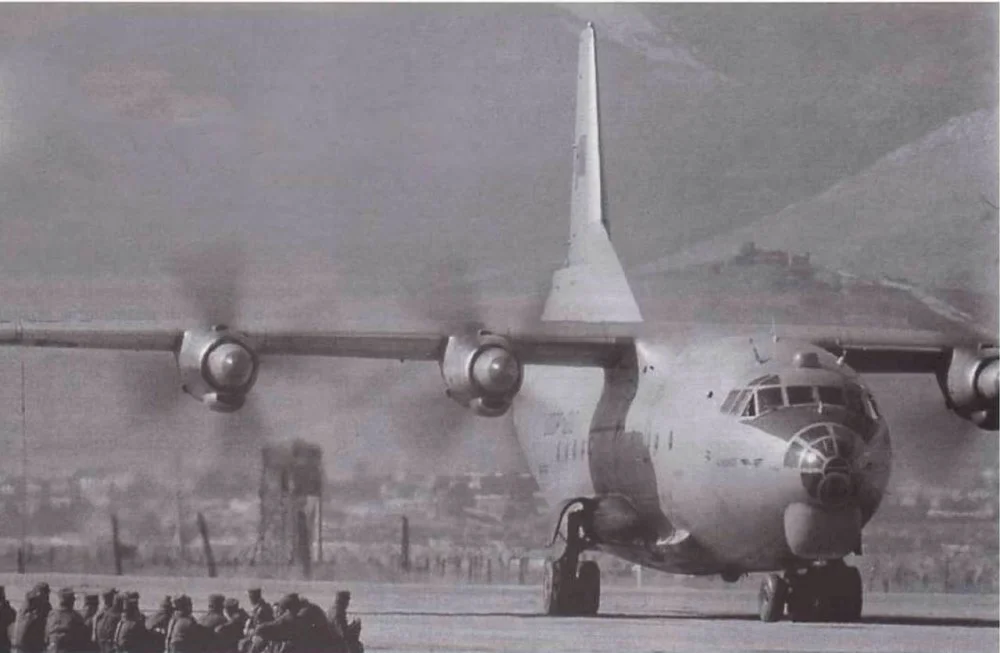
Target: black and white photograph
<point x="333" y="327"/>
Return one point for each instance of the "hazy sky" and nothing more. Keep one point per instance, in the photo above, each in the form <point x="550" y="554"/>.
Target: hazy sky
<point x="351" y="148"/>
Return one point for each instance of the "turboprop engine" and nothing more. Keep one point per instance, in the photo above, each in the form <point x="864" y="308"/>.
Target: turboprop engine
<point x="971" y="385"/>
<point x="217" y="366"/>
<point x="481" y="372"/>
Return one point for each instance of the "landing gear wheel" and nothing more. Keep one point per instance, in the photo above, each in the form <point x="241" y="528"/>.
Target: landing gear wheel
<point x="846" y="597"/>
<point x="553" y="594"/>
<point x="829" y="593"/>
<point x="588" y="582"/>
<point x="772" y="597"/>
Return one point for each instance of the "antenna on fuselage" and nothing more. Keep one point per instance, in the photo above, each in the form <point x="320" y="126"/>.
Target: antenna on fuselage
<point x="774" y="330"/>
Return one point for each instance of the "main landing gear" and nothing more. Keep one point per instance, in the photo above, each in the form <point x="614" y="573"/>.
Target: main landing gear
<point x="571" y="586"/>
<point x="829" y="592"/>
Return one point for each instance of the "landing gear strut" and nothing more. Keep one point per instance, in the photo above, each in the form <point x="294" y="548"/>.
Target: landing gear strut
<point x="571" y="587"/>
<point x="830" y="592"/>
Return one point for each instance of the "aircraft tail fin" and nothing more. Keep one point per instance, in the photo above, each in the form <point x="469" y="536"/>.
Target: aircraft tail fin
<point x="592" y="286"/>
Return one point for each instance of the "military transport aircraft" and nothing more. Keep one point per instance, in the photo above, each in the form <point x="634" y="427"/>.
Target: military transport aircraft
<point x="686" y="449"/>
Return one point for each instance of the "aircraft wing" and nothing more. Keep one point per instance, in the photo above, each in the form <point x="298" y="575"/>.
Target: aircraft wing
<point x="543" y="348"/>
<point x="889" y="351"/>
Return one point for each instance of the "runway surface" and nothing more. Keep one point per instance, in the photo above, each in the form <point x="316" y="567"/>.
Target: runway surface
<point x="494" y="618"/>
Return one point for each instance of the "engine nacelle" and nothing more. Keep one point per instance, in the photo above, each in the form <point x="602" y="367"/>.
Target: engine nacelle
<point x="971" y="385"/>
<point x="481" y="372"/>
<point x="217" y="367"/>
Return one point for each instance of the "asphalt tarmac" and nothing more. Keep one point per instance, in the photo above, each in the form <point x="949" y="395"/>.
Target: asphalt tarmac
<point x="496" y="618"/>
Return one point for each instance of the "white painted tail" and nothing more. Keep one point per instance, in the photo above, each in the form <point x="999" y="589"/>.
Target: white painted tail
<point x="592" y="287"/>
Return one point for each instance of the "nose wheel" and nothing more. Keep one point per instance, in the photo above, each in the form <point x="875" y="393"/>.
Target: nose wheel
<point x="571" y="589"/>
<point x="831" y="592"/>
<point x="571" y="586"/>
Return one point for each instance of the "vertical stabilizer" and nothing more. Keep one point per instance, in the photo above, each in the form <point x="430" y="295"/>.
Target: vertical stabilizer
<point x="592" y="287"/>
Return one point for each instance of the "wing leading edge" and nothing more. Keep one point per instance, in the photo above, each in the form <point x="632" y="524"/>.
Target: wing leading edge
<point x="595" y="349"/>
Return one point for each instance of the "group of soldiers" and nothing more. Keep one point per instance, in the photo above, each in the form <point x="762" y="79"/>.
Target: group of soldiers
<point x="292" y="625"/>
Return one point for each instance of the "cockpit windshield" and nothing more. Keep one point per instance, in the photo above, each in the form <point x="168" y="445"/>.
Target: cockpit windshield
<point x="767" y="393"/>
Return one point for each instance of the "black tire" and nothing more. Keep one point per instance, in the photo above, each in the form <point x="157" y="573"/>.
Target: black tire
<point x="846" y="604"/>
<point x="772" y="597"/>
<point x="801" y="601"/>
<point x="589" y="588"/>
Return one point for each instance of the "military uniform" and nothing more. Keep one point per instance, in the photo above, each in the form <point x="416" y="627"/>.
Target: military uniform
<point x="65" y="631"/>
<point x="106" y="623"/>
<point x="157" y="624"/>
<point x="314" y="629"/>
<point x="228" y="635"/>
<point x="28" y="634"/>
<point x="184" y="634"/>
<point x="108" y="598"/>
<point x="130" y="634"/>
<point x="91" y="603"/>
<point x="282" y="634"/>
<point x="260" y="611"/>
<point x="7" y="617"/>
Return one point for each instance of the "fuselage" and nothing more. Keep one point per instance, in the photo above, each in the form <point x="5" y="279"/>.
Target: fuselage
<point x="711" y="455"/>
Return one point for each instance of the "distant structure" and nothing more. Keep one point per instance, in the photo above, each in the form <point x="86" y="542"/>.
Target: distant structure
<point x="290" y="527"/>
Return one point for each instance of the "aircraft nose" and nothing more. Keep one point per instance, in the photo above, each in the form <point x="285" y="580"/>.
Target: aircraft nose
<point x="824" y="455"/>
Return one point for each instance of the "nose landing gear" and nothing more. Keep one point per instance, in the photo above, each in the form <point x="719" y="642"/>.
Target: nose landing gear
<point x="571" y="586"/>
<point x="830" y="592"/>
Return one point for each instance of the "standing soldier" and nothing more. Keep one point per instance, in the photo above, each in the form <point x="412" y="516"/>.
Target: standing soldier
<point x="65" y="631"/>
<point x="157" y="624"/>
<point x="29" y="627"/>
<point x="347" y="635"/>
<point x="108" y="598"/>
<point x="260" y="610"/>
<point x="43" y="591"/>
<point x="106" y="623"/>
<point x="7" y="618"/>
<point x="130" y="634"/>
<point x="91" y="602"/>
<point x="185" y="635"/>
<point x="214" y="618"/>
<point x="228" y="635"/>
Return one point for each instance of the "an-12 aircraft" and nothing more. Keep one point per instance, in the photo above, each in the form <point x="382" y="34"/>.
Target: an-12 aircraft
<point x="682" y="448"/>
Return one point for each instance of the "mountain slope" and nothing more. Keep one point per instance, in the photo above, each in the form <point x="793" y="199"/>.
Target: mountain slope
<point x="924" y="213"/>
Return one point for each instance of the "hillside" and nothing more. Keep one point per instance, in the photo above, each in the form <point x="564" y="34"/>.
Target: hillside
<point x="924" y="214"/>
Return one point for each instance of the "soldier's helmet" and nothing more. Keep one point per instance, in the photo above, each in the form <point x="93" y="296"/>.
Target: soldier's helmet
<point x="42" y="589"/>
<point x="67" y="596"/>
<point x="254" y="593"/>
<point x="132" y="598"/>
<point x="182" y="602"/>
<point x="91" y="599"/>
<point x="343" y="598"/>
<point x="231" y="605"/>
<point x="216" y="601"/>
<point x="109" y="595"/>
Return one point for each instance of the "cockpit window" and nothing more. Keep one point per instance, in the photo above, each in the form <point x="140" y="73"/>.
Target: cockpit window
<point x="831" y="395"/>
<point x="800" y="394"/>
<point x="854" y="401"/>
<point x="769" y="399"/>
<point x="872" y="407"/>
<point x="730" y="400"/>
<point x="750" y="410"/>
<point x="770" y="379"/>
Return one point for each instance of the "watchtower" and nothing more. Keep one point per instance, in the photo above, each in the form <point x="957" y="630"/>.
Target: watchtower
<point x="290" y="526"/>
